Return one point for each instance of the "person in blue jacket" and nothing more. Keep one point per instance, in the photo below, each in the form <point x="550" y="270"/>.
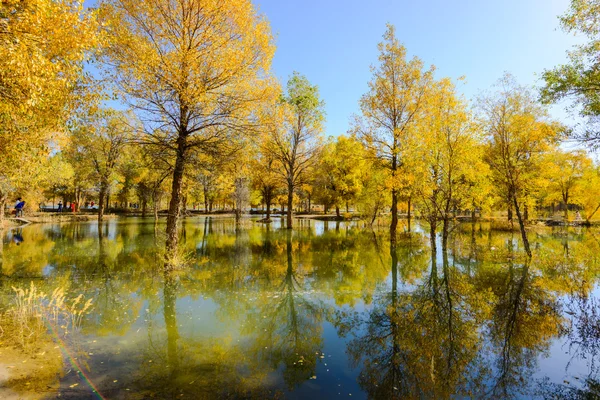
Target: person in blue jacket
<point x="19" y="207"/>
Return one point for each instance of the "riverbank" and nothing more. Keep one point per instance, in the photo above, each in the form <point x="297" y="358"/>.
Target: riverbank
<point x="41" y="218"/>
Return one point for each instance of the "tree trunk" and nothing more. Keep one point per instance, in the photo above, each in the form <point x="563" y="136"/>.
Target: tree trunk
<point x="347" y="207"/>
<point x="2" y="206"/>
<point x="445" y="232"/>
<point x="101" y="202"/>
<point x="155" y="201"/>
<point x="107" y="205"/>
<point x="408" y="212"/>
<point x="238" y="215"/>
<point x="566" y="201"/>
<point x="522" y="227"/>
<point x="309" y="209"/>
<point x="337" y="211"/>
<point x="589" y="217"/>
<point x="374" y="217"/>
<point x="268" y="202"/>
<point x="290" y="204"/>
<point x="205" y="200"/>
<point x="143" y="208"/>
<point x="432" y="233"/>
<point x="175" y="203"/>
<point x="509" y="213"/>
<point x="394" y="224"/>
<point x="183" y="208"/>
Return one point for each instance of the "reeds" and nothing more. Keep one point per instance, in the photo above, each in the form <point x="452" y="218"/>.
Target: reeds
<point x="33" y="312"/>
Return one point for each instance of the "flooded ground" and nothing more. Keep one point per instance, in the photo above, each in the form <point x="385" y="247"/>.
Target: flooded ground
<point x="326" y="311"/>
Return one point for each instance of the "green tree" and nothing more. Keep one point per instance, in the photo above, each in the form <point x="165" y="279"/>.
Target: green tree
<point x="295" y="138"/>
<point x="579" y="79"/>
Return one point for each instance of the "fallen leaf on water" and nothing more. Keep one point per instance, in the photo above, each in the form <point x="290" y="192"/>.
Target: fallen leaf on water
<point x="73" y="385"/>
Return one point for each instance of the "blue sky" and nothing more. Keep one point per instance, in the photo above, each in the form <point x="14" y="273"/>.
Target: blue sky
<point x="333" y="43"/>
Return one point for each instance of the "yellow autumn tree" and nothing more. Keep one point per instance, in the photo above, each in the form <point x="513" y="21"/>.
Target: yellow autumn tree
<point x="40" y="70"/>
<point x="565" y="175"/>
<point x="193" y="70"/>
<point x="519" y="132"/>
<point x="448" y="150"/>
<point x="392" y="108"/>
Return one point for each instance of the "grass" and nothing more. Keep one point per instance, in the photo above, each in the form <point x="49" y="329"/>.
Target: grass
<point x="32" y="312"/>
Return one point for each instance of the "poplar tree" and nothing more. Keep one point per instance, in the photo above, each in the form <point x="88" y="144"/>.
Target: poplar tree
<point x="392" y="108"/>
<point x="193" y="70"/>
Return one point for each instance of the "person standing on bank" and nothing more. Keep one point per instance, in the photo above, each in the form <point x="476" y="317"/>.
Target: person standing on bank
<point x="19" y="207"/>
<point x="59" y="206"/>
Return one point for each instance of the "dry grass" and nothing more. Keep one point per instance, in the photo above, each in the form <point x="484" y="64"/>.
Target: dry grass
<point x="33" y="312"/>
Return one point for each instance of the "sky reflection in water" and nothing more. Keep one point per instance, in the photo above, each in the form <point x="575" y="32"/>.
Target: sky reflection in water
<point x="324" y="312"/>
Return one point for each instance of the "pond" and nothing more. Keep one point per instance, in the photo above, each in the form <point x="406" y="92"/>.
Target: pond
<point x="326" y="311"/>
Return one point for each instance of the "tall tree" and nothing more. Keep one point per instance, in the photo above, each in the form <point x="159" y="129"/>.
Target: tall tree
<point x="450" y="156"/>
<point x="340" y="170"/>
<point x="295" y="138"/>
<point x="392" y="108"/>
<point x="99" y="141"/>
<point x="193" y="70"/>
<point x="265" y="180"/>
<point x="518" y="133"/>
<point x="565" y="175"/>
<point x="40" y="69"/>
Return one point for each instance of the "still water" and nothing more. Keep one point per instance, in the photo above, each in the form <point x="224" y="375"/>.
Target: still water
<point x="327" y="311"/>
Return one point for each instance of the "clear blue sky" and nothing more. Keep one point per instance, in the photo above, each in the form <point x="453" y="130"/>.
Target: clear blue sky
<point x="333" y="43"/>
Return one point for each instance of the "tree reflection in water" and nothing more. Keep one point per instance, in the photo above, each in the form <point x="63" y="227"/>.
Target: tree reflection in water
<point x="249" y="317"/>
<point x="285" y="330"/>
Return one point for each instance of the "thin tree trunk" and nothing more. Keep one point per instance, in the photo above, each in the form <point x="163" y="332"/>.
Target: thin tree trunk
<point x="432" y="233"/>
<point x="408" y="215"/>
<point x="101" y="202"/>
<point x="445" y="232"/>
<point x="394" y="224"/>
<point x="268" y="202"/>
<point x="566" y="201"/>
<point x="290" y="204"/>
<point x="2" y="206"/>
<point x="522" y="227"/>
<point x="205" y="200"/>
<point x="337" y="211"/>
<point x="155" y="201"/>
<point x="183" y="208"/>
<point x="589" y="217"/>
<point x="176" y="194"/>
<point x="143" y="208"/>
